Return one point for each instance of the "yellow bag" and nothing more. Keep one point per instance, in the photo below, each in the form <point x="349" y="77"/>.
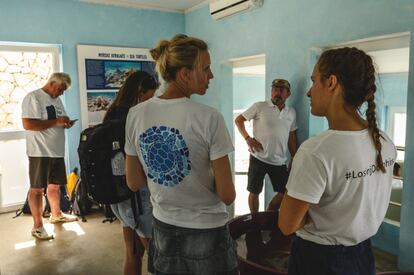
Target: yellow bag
<point x="72" y="179"/>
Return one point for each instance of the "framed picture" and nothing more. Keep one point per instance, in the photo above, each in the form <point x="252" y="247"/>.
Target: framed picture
<point x="102" y="71"/>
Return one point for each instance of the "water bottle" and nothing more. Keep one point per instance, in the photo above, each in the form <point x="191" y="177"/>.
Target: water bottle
<point x="118" y="161"/>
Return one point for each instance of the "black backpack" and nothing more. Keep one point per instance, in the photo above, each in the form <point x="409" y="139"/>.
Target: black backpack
<point x="102" y="162"/>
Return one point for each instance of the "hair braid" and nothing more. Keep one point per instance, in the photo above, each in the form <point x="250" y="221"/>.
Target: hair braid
<point x="370" y="89"/>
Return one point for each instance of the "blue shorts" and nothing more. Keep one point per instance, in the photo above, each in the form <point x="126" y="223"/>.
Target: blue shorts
<point x="123" y="211"/>
<point x="309" y="258"/>
<point x="178" y="250"/>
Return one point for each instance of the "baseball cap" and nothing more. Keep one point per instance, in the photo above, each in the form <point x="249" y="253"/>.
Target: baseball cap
<point x="282" y="83"/>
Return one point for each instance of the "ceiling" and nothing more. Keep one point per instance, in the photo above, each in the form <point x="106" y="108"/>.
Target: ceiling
<point x="180" y="6"/>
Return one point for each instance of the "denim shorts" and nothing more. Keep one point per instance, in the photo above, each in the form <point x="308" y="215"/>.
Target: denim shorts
<point x="123" y="211"/>
<point x="309" y="258"/>
<point x="185" y="251"/>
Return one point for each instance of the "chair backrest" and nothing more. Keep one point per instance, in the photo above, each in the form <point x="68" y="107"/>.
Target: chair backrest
<point x="248" y="224"/>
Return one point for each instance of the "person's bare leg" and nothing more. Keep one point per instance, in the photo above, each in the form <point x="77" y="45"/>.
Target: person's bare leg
<point x="36" y="206"/>
<point x="134" y="250"/>
<point x="53" y="195"/>
<point x="144" y="242"/>
<point x="274" y="204"/>
<point x="253" y="202"/>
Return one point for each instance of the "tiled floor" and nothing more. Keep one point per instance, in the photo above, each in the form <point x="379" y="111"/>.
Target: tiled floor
<point x="90" y="247"/>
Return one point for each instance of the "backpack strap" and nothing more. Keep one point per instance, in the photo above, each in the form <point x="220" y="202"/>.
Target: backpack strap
<point x="136" y="201"/>
<point x="18" y="212"/>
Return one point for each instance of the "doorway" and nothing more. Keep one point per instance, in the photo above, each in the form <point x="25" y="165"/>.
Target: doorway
<point x="248" y="88"/>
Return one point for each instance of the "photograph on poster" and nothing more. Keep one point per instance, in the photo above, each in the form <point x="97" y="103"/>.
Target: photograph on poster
<point x="108" y="74"/>
<point x="98" y="104"/>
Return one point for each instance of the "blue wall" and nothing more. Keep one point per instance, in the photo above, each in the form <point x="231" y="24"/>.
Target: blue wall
<point x="247" y="90"/>
<point x="392" y="91"/>
<point x="69" y="22"/>
<point x="286" y="32"/>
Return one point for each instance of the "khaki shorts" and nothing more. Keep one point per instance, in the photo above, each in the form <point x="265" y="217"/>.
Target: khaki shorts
<point x="45" y="170"/>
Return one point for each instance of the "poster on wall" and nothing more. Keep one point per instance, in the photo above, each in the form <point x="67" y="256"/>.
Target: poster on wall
<point x="102" y="71"/>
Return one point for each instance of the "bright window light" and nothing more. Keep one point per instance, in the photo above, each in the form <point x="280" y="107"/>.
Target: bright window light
<point x="75" y="227"/>
<point x="23" y="245"/>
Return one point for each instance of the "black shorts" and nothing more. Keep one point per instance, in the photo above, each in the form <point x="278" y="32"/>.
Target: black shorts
<point x="309" y="258"/>
<point x="45" y="170"/>
<point x="257" y="171"/>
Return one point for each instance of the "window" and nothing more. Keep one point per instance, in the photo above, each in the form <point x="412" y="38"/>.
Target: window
<point x="396" y="124"/>
<point x="22" y="69"/>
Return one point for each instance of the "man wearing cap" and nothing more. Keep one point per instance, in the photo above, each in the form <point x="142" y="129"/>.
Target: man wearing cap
<point x="274" y="133"/>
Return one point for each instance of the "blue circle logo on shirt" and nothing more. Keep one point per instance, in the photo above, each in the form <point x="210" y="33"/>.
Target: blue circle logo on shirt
<point x="166" y="155"/>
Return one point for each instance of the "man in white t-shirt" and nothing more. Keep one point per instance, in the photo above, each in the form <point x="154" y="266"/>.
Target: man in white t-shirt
<point x="274" y="133"/>
<point x="44" y="119"/>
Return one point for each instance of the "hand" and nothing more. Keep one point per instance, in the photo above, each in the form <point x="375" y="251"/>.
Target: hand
<point x="62" y="121"/>
<point x="69" y="124"/>
<point x="289" y="167"/>
<point x="254" y="145"/>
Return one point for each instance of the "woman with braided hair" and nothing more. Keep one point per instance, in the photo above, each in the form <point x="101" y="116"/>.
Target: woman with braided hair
<point x="340" y="183"/>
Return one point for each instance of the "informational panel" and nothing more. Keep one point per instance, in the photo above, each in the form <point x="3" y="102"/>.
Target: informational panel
<point x="102" y="71"/>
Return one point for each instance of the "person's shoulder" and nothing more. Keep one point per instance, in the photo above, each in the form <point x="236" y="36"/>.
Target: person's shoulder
<point x="118" y="112"/>
<point x="34" y="93"/>
<point x="261" y="103"/>
<point x="31" y="95"/>
<point x="201" y="107"/>
<point x="139" y="107"/>
<point x="388" y="143"/>
<point x="315" y="143"/>
<point x="290" y="109"/>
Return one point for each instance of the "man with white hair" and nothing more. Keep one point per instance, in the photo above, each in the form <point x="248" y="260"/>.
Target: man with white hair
<point x="44" y="119"/>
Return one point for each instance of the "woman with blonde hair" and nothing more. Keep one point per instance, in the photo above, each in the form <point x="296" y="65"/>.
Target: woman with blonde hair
<point x="339" y="187"/>
<point x="181" y="151"/>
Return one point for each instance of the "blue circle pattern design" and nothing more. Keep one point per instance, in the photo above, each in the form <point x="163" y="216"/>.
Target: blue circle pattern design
<point x="166" y="155"/>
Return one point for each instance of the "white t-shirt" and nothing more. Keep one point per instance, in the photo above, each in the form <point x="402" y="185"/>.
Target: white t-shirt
<point x="176" y="140"/>
<point x="271" y="127"/>
<point x="336" y="173"/>
<point x="50" y="142"/>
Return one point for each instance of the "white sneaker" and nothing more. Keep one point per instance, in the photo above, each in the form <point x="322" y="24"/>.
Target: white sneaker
<point x="41" y="233"/>
<point x="63" y="218"/>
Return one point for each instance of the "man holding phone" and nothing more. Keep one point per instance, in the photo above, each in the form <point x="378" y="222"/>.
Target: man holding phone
<point x="45" y="119"/>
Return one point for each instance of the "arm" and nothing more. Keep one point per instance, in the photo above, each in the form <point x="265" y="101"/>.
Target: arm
<point x="223" y="178"/>
<point x="40" y="125"/>
<point x="239" y="121"/>
<point x="292" y="214"/>
<point x="253" y="144"/>
<point x="135" y="175"/>
<point x="292" y="145"/>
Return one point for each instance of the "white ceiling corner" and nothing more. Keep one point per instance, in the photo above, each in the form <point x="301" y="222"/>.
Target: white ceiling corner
<point x="179" y="6"/>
